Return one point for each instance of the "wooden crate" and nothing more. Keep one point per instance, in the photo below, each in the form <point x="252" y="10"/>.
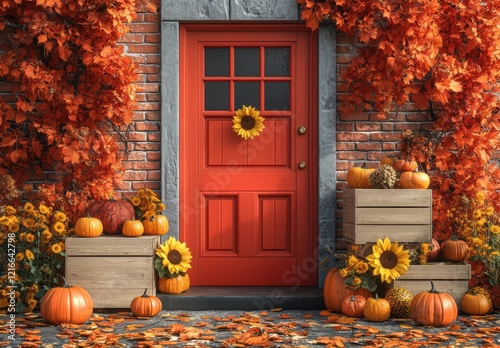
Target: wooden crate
<point x="113" y="269"/>
<point x="403" y="215"/>
<point x="450" y="278"/>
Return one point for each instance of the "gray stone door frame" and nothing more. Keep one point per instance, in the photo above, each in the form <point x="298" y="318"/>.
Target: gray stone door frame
<point x="173" y="13"/>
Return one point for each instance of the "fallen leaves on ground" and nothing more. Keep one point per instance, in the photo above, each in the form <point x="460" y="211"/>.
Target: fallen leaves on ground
<point x="243" y="329"/>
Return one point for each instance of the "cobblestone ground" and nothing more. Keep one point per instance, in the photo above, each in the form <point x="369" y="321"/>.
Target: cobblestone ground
<point x="287" y="328"/>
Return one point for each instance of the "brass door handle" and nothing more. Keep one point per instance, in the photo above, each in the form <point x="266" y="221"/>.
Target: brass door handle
<point x="302" y="130"/>
<point x="302" y="165"/>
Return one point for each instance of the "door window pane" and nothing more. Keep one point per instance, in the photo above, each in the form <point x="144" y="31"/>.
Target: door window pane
<point x="216" y="61"/>
<point x="217" y="95"/>
<point x="246" y="93"/>
<point x="246" y="61"/>
<point x="277" y="61"/>
<point x="277" y="95"/>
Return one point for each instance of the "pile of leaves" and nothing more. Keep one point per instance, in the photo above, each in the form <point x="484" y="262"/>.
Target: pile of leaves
<point x="257" y="329"/>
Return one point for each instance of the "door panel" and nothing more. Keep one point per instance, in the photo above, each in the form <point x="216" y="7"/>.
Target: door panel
<point x="247" y="210"/>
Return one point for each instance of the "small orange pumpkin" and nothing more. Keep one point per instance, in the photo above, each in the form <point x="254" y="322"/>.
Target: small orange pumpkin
<point x="354" y="306"/>
<point x="357" y="177"/>
<point x="388" y="160"/>
<point x="66" y="304"/>
<point x="132" y="228"/>
<point x="414" y="180"/>
<point x="475" y="304"/>
<point x="174" y="285"/>
<point x="433" y="308"/>
<point x="156" y="225"/>
<point x="145" y="305"/>
<point x="405" y="165"/>
<point x="434" y="250"/>
<point x="454" y="249"/>
<point x="88" y="227"/>
<point x="377" y="309"/>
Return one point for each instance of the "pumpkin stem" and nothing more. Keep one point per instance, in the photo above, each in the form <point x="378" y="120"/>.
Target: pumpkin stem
<point x="376" y="296"/>
<point x="66" y="285"/>
<point x="145" y="293"/>
<point x="433" y="289"/>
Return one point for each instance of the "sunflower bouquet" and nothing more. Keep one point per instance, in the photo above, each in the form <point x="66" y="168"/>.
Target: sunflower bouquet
<point x="33" y="242"/>
<point x="172" y="259"/>
<point x="387" y="262"/>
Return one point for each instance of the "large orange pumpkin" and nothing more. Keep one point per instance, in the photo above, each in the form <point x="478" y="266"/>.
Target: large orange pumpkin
<point x="414" y="180"/>
<point x="335" y="291"/>
<point x="112" y="213"/>
<point x="357" y="177"/>
<point x="67" y="304"/>
<point x="433" y="308"/>
<point x="156" y="225"/>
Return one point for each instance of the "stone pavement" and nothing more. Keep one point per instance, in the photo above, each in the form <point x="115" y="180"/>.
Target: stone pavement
<point x="236" y="328"/>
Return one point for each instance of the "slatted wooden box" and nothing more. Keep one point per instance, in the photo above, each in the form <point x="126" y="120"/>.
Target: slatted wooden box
<point x="113" y="269"/>
<point x="403" y="215"/>
<point x="447" y="277"/>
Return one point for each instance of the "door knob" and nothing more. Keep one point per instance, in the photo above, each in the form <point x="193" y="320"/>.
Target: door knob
<point x="302" y="130"/>
<point x="302" y="165"/>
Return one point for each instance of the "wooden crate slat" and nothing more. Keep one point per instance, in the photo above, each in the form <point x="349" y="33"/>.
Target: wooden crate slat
<point x="387" y="198"/>
<point x="400" y="233"/>
<point x="437" y="270"/>
<point x="112" y="245"/>
<point x="456" y="288"/>
<point x="396" y="216"/>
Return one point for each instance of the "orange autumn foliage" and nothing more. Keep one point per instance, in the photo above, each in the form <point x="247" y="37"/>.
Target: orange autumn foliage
<point x="440" y="57"/>
<point x="71" y="85"/>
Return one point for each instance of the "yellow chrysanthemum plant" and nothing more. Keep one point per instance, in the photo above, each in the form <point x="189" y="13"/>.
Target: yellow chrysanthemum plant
<point x="388" y="260"/>
<point x="247" y="122"/>
<point x="33" y="243"/>
<point x="146" y="204"/>
<point x="172" y="258"/>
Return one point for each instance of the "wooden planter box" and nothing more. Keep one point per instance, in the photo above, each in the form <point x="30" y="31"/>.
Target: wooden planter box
<point x="403" y="215"/>
<point x="113" y="269"/>
<point x="450" y="278"/>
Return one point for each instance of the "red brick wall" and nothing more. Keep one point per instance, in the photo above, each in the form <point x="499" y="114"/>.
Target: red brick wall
<point x="142" y="163"/>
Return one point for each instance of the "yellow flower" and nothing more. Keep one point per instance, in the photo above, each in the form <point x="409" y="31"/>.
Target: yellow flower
<point x="56" y="248"/>
<point x="29" y="223"/>
<point x="388" y="260"/>
<point x="44" y="209"/>
<point x="495" y="229"/>
<point x="352" y="260"/>
<point x="59" y="227"/>
<point x="152" y="207"/>
<point x="361" y="267"/>
<point x="161" y="207"/>
<point x="136" y="201"/>
<point x="30" y="208"/>
<point x="176" y="256"/>
<point x="29" y="255"/>
<point x="10" y="210"/>
<point x="30" y="238"/>
<point x="356" y="281"/>
<point x="19" y="256"/>
<point x="247" y="122"/>
<point x="343" y="272"/>
<point x="490" y="211"/>
<point x="46" y="236"/>
<point x="59" y="216"/>
<point x="14" y="227"/>
<point x="22" y="237"/>
<point x="477" y="214"/>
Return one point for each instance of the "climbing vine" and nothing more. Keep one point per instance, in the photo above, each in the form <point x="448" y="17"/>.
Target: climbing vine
<point x="69" y="87"/>
<point x="438" y="56"/>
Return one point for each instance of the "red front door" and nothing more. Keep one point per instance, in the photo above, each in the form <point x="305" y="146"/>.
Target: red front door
<point x="248" y="207"/>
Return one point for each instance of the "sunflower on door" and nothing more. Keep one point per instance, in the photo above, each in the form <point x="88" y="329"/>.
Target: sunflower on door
<point x="247" y="122"/>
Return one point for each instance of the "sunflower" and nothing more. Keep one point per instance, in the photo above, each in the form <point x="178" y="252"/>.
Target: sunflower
<point x="56" y="248"/>
<point x="174" y="255"/>
<point x="247" y="122"/>
<point x="388" y="260"/>
<point x="59" y="227"/>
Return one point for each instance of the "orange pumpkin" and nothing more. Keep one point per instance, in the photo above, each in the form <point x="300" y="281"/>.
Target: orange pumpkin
<point x="145" y="306"/>
<point x="405" y="165"/>
<point x="454" y="250"/>
<point x="475" y="304"/>
<point x="335" y="291"/>
<point x="174" y="285"/>
<point x="354" y="306"/>
<point x="377" y="309"/>
<point x="88" y="227"/>
<point x="414" y="180"/>
<point x="67" y="304"/>
<point x="357" y="177"/>
<point x="389" y="160"/>
<point x="434" y="250"/>
<point x="156" y="225"/>
<point x="132" y="228"/>
<point x="433" y="308"/>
